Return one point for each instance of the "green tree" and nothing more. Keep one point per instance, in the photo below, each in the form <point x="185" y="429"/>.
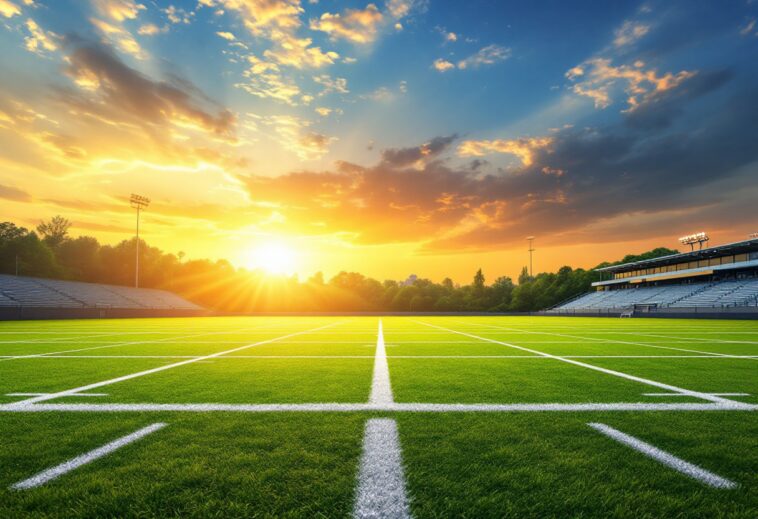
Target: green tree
<point x="479" y="281"/>
<point x="55" y="231"/>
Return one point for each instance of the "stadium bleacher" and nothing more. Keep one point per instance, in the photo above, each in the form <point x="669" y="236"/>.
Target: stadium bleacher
<point x="696" y="295"/>
<point x="18" y="291"/>
<point x="722" y="277"/>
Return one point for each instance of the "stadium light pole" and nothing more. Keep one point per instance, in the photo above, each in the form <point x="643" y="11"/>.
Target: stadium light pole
<point x="699" y="238"/>
<point x="531" y="250"/>
<point x="139" y="203"/>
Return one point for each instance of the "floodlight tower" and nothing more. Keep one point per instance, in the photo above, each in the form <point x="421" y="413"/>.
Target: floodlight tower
<point x="531" y="250"/>
<point x="139" y="203"/>
<point x="699" y="238"/>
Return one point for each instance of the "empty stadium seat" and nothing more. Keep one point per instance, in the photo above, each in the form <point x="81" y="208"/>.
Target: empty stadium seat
<point x="52" y="293"/>
<point x="697" y="295"/>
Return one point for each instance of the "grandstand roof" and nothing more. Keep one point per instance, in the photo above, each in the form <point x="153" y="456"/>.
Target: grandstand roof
<point x="739" y="247"/>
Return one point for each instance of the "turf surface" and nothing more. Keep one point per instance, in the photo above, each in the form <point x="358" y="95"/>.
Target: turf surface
<point x="284" y="464"/>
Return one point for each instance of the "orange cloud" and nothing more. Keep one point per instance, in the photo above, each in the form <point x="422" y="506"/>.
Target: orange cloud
<point x="356" y="25"/>
<point x="596" y="79"/>
<point x="523" y="148"/>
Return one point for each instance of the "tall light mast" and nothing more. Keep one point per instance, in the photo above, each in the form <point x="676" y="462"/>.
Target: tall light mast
<point x="531" y="250"/>
<point x="139" y="203"/>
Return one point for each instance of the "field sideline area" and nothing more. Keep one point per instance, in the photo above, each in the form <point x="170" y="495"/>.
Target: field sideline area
<point x="379" y="417"/>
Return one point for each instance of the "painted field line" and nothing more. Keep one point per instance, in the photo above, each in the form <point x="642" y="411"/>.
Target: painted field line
<point x="517" y="357"/>
<point x="362" y="408"/>
<point x="567" y="357"/>
<point x="199" y="356"/>
<point x="107" y="345"/>
<point x="700" y="474"/>
<point x="733" y="341"/>
<point x="381" y="389"/>
<point x="614" y="373"/>
<point x="41" y="394"/>
<point x="130" y="343"/>
<point x="74" y="391"/>
<point x="57" y="339"/>
<point x="381" y="483"/>
<point x="615" y="341"/>
<point x="74" y="463"/>
<point x="679" y="394"/>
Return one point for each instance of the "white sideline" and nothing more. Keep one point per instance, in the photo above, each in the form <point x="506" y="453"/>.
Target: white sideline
<point x="704" y="476"/>
<point x="74" y="463"/>
<point x="381" y="389"/>
<point x="381" y="483"/>
<point x="619" y="374"/>
<point x="615" y="341"/>
<point x="358" y="407"/>
<point x="74" y="391"/>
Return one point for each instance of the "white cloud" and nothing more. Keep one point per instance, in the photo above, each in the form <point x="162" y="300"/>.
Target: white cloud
<point x="442" y="65"/>
<point x="330" y="84"/>
<point x="39" y="40"/>
<point x="629" y="32"/>
<point x="226" y="35"/>
<point x="488" y="55"/>
<point x="8" y="9"/>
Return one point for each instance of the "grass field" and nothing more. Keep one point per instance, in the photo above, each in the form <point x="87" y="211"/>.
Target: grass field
<point x="398" y="416"/>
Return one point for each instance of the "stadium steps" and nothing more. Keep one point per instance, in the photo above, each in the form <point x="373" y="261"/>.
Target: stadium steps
<point x="19" y="291"/>
<point x="696" y="291"/>
<point x="125" y="296"/>
<point x="63" y="294"/>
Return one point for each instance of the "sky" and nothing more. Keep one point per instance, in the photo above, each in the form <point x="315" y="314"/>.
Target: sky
<point x="389" y="138"/>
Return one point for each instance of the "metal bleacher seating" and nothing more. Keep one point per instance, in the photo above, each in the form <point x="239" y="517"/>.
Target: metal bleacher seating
<point x="730" y="293"/>
<point x="18" y="291"/>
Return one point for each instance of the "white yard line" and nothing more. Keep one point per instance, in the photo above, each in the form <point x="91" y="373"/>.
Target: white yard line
<point x="615" y="341"/>
<point x="74" y="391"/>
<point x="58" y="339"/>
<point x="130" y="343"/>
<point x="697" y="339"/>
<point x="698" y="473"/>
<point x="381" y="483"/>
<point x="381" y="389"/>
<point x="619" y="374"/>
<point x="679" y="394"/>
<point x="518" y="357"/>
<point x="363" y="408"/>
<point x="200" y="356"/>
<point x="41" y="394"/>
<point x="59" y="470"/>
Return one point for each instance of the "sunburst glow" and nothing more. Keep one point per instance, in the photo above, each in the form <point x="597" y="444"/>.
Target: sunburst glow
<point x="274" y="258"/>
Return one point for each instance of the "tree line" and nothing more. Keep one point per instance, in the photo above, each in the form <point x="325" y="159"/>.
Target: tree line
<point x="50" y="252"/>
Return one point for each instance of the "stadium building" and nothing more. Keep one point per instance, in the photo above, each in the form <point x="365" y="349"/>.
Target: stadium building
<point x="714" y="281"/>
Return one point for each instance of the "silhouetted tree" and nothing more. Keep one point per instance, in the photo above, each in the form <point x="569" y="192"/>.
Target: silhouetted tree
<point x="55" y="231"/>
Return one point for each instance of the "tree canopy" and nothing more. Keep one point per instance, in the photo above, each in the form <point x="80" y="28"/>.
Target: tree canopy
<point x="219" y="285"/>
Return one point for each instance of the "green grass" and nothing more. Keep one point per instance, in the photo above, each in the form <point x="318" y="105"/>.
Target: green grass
<point x="218" y="464"/>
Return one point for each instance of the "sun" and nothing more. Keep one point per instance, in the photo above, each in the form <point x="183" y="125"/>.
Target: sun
<point x="274" y="258"/>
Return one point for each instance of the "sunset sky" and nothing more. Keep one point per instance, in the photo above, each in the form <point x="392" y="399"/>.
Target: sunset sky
<point x="389" y="138"/>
